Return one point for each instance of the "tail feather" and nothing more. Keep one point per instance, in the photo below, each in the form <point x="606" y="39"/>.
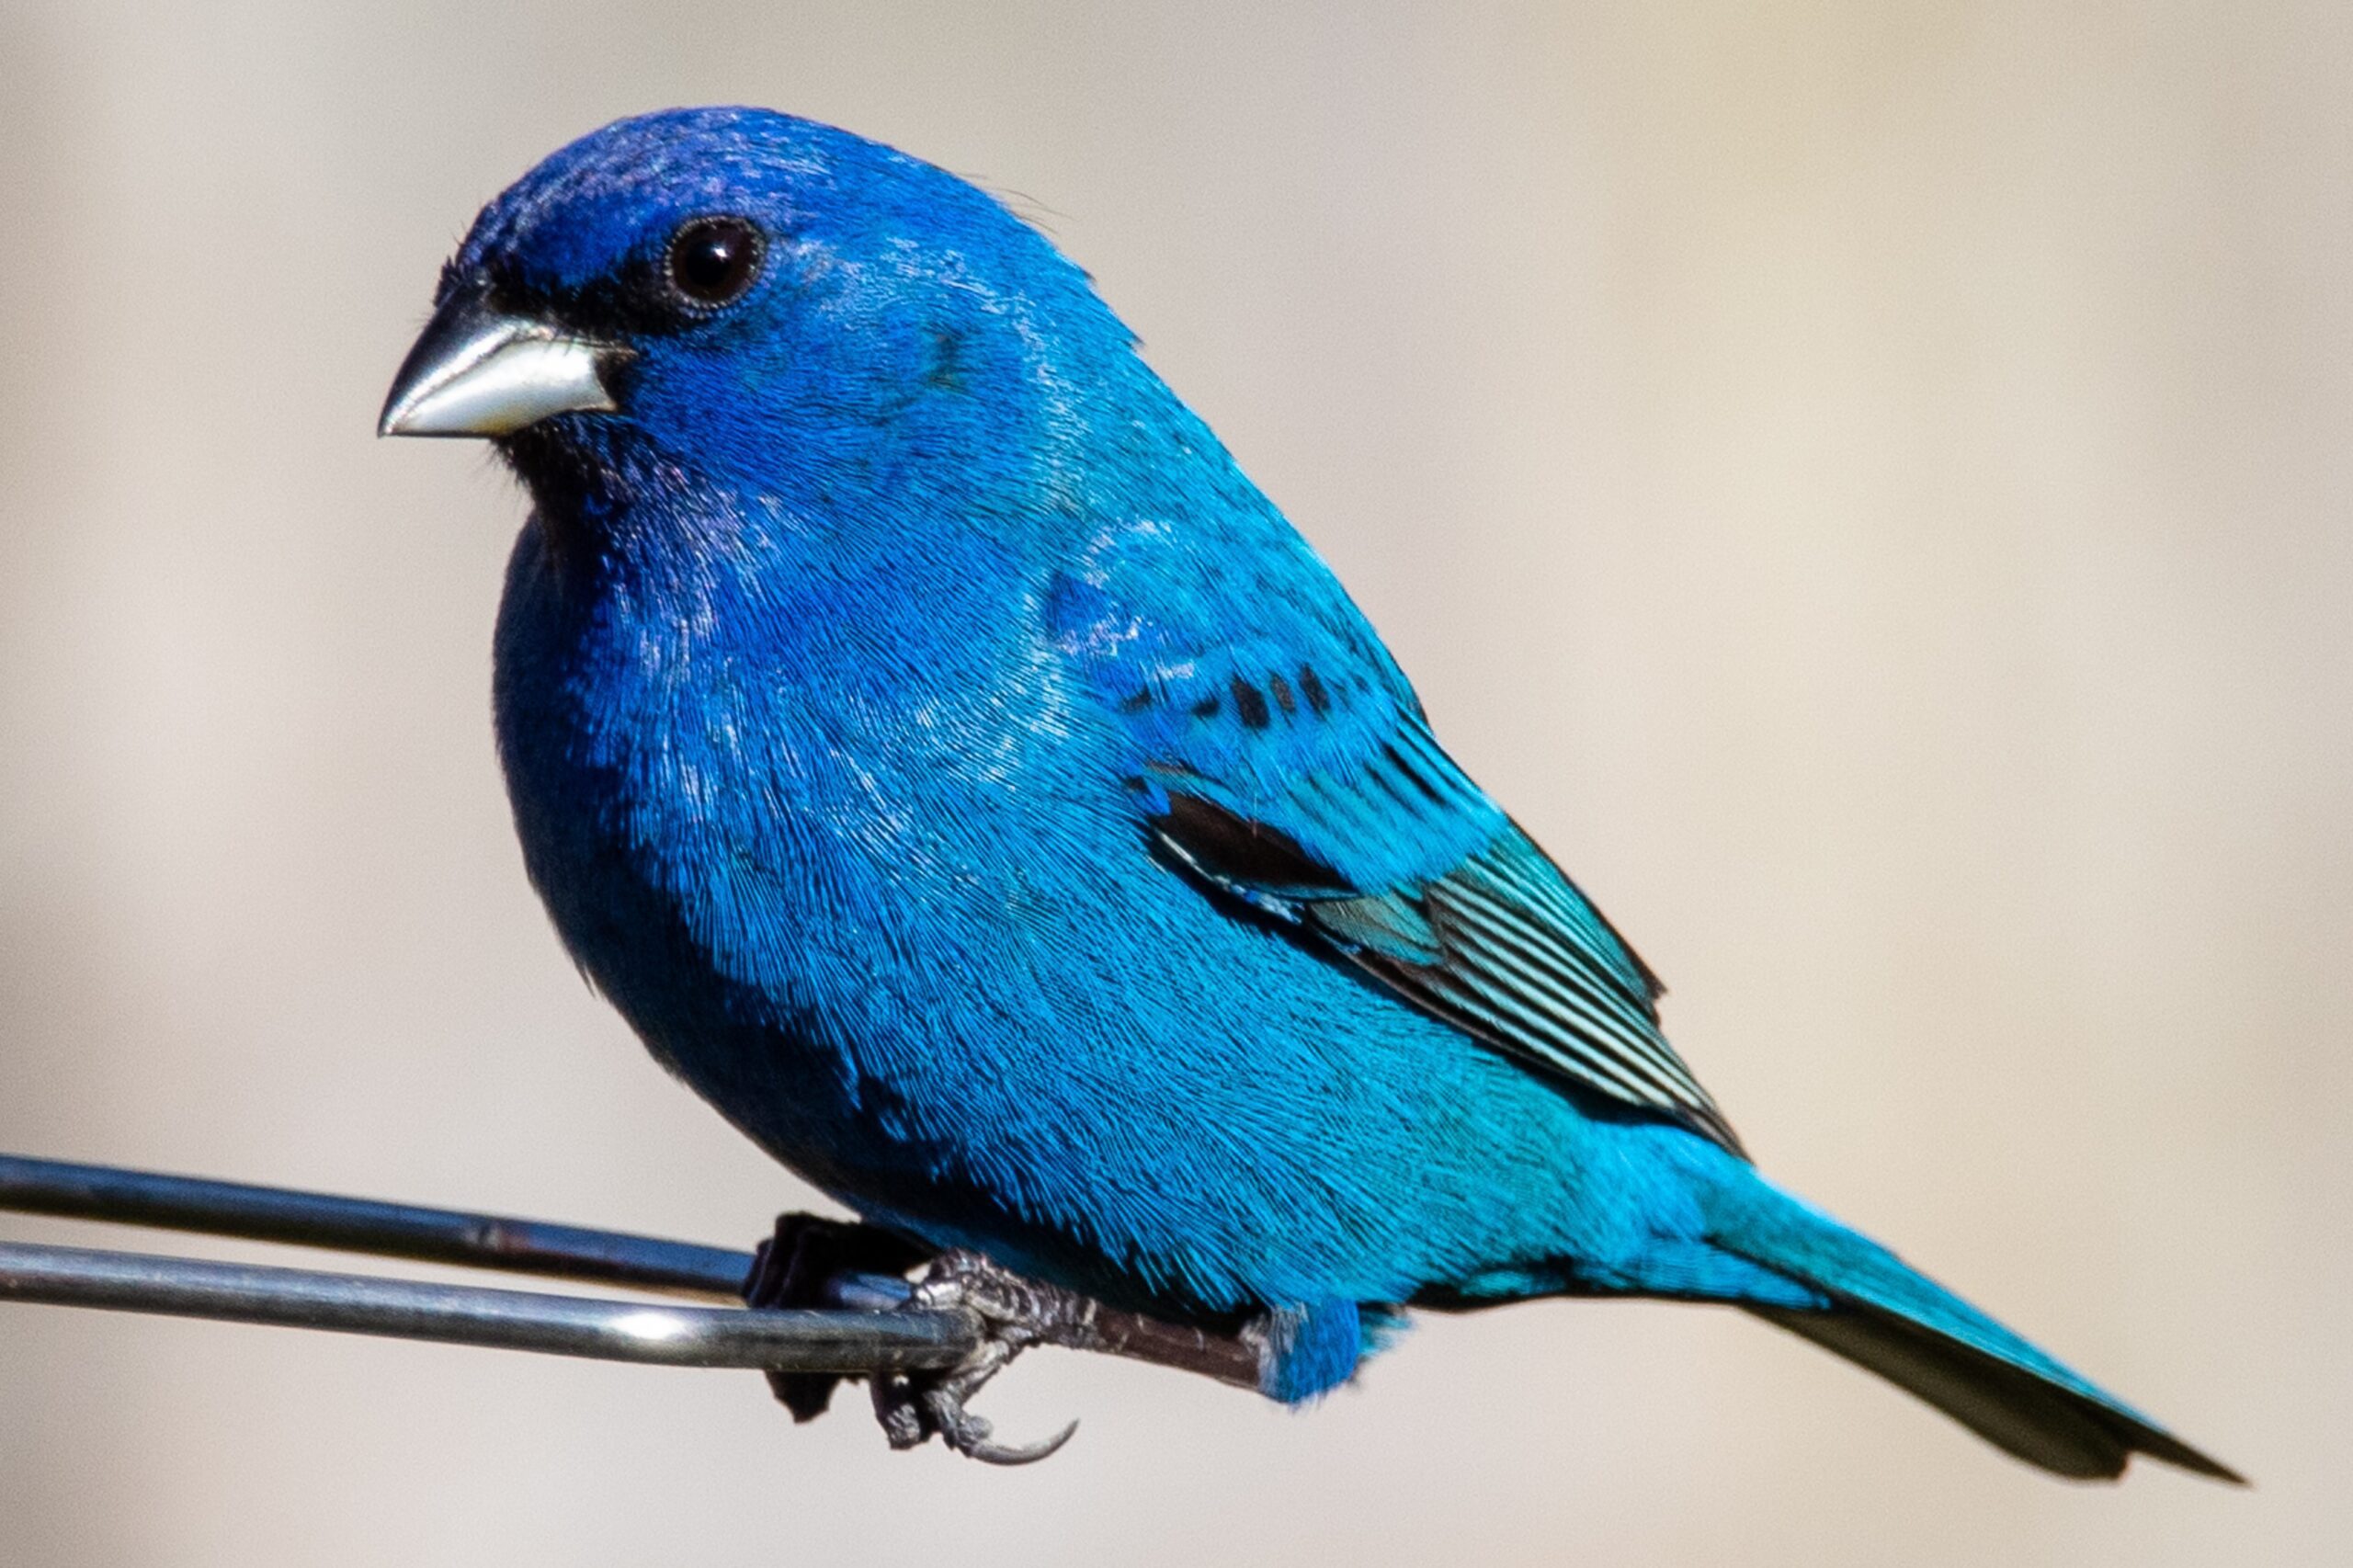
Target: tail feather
<point x="2017" y="1410"/>
<point x="1890" y="1319"/>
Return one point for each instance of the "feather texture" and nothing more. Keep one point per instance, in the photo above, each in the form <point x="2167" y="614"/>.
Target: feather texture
<point x="961" y="774"/>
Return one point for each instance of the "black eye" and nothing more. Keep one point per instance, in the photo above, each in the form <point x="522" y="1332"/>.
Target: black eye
<point x="713" y="260"/>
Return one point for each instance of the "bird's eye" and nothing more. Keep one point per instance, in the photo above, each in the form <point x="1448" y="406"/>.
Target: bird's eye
<point x="713" y="260"/>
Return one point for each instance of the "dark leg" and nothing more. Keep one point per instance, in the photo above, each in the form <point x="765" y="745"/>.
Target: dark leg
<point x="799" y="1264"/>
<point x="794" y="1267"/>
<point x="1019" y="1313"/>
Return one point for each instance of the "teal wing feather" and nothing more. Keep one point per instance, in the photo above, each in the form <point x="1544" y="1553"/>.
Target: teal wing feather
<point x="1308" y="785"/>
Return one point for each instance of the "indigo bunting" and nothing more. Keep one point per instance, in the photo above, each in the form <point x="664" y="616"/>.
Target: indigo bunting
<point x="960" y="774"/>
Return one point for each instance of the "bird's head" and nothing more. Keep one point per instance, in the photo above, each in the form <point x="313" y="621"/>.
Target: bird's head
<point x="748" y="304"/>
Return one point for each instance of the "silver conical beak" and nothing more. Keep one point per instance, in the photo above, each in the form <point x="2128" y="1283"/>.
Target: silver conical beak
<point x="477" y="370"/>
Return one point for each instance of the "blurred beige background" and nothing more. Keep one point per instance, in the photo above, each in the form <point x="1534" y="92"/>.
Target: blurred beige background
<point x="1867" y="484"/>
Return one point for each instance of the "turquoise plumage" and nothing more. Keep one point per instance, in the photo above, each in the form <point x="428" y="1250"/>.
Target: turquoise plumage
<point x="963" y="777"/>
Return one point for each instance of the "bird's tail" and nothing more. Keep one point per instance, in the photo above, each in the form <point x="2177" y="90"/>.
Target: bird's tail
<point x="1888" y="1317"/>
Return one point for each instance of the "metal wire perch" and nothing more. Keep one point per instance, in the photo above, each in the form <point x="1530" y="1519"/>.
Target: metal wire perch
<point x="925" y="1345"/>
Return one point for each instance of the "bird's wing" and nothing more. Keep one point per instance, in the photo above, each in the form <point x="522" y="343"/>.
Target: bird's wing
<point x="1307" y="785"/>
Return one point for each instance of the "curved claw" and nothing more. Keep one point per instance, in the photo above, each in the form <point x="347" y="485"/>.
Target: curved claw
<point x="912" y="1413"/>
<point x="974" y="1436"/>
<point x="1017" y="1313"/>
<point x="986" y="1449"/>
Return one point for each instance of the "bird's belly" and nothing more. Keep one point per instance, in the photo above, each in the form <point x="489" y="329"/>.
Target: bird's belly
<point x="1000" y="1025"/>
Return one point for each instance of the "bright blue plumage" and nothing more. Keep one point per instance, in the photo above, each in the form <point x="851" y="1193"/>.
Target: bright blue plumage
<point x="961" y="774"/>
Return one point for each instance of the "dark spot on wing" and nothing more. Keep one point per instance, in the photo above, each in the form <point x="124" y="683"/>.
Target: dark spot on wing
<point x="946" y="370"/>
<point x="1251" y="704"/>
<point x="1207" y="706"/>
<point x="1138" y="703"/>
<point x="1311" y="686"/>
<point x="1234" y="849"/>
<point x="1283" y="698"/>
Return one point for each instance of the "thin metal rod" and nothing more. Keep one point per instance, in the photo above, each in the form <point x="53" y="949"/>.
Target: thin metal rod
<point x="483" y="1241"/>
<point x="364" y="1225"/>
<point x="850" y="1342"/>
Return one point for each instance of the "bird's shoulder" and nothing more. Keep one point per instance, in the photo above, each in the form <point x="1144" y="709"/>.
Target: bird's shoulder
<point x="1273" y="750"/>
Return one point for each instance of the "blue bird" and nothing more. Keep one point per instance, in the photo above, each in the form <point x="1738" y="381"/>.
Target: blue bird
<point x="961" y="774"/>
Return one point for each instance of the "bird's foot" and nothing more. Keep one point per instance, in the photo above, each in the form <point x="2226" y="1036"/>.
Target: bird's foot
<point x="796" y="1268"/>
<point x="1017" y="1313"/>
